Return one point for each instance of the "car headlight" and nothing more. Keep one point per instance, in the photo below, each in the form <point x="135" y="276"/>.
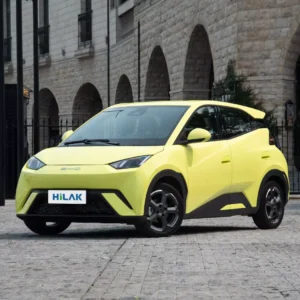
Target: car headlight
<point x="34" y="163"/>
<point x="130" y="163"/>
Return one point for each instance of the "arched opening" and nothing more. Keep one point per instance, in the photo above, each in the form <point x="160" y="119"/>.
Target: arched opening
<point x="124" y="91"/>
<point x="49" y="119"/>
<point x="199" y="70"/>
<point x="157" y="81"/>
<point x="291" y="91"/>
<point x="86" y="104"/>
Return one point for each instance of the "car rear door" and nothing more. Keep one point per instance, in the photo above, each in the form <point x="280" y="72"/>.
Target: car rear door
<point x="246" y="151"/>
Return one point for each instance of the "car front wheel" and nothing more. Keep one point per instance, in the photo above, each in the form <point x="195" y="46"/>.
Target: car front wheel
<point x="271" y="210"/>
<point x="164" y="211"/>
<point x="44" y="228"/>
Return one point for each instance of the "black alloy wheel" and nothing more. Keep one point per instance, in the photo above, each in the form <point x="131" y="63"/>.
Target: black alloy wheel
<point x="272" y="204"/>
<point x="164" y="211"/>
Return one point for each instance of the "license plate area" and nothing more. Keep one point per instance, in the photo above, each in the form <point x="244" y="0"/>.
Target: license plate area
<point x="67" y="197"/>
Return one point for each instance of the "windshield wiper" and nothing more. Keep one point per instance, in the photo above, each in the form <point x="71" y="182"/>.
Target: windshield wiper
<point x="87" y="142"/>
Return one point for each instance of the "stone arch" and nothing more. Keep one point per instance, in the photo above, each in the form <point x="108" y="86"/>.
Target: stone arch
<point x="86" y="104"/>
<point x="157" y="80"/>
<point x="49" y="119"/>
<point x="291" y="70"/>
<point x="48" y="107"/>
<point x="124" y="91"/>
<point x="292" y="54"/>
<point x="199" y="68"/>
<point x="290" y="60"/>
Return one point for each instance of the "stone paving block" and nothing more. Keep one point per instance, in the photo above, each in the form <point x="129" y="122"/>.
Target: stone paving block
<point x="221" y="259"/>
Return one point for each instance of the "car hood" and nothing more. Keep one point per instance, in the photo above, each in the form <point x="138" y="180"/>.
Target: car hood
<point x="93" y="155"/>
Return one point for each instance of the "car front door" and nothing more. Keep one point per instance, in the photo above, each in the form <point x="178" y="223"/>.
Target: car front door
<point x="208" y="167"/>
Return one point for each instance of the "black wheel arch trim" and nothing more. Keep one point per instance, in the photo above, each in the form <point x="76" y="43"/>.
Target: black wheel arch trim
<point x="281" y="176"/>
<point x="168" y="173"/>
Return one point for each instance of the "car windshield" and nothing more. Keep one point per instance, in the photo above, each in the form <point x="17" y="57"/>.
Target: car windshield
<point x="129" y="126"/>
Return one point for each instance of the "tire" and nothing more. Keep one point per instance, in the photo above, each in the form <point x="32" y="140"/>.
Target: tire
<point x="164" y="211"/>
<point x="41" y="227"/>
<point x="271" y="209"/>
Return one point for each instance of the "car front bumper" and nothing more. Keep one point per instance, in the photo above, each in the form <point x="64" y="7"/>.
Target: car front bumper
<point x="111" y="194"/>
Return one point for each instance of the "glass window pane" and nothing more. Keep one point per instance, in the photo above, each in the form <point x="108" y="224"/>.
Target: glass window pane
<point x="133" y="126"/>
<point x="204" y="118"/>
<point x="234" y="122"/>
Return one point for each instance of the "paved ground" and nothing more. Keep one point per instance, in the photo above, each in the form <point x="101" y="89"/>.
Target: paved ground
<point x="207" y="259"/>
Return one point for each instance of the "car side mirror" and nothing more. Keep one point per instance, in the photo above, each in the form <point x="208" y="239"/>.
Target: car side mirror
<point x="198" y="135"/>
<point x="66" y="135"/>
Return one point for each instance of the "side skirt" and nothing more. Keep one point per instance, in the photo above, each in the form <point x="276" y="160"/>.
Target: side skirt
<point x="213" y="209"/>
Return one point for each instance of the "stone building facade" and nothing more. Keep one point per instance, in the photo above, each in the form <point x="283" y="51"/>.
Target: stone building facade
<point x="185" y="46"/>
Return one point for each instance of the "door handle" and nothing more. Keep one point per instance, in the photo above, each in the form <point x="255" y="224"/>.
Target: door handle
<point x="226" y="160"/>
<point x="265" y="155"/>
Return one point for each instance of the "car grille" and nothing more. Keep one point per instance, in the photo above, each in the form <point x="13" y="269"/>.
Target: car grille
<point x="96" y="206"/>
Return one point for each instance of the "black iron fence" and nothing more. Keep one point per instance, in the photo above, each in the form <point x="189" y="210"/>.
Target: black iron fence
<point x="51" y="132"/>
<point x="287" y="140"/>
<point x="85" y="29"/>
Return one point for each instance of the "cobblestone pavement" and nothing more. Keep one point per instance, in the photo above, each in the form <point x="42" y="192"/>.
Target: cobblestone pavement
<point x="208" y="259"/>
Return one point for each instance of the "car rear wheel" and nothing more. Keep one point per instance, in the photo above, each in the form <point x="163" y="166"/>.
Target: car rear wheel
<point x="164" y="212"/>
<point x="271" y="210"/>
<point x="45" y="228"/>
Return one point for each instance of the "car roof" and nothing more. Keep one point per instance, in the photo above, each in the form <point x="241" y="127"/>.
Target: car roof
<point x="257" y="114"/>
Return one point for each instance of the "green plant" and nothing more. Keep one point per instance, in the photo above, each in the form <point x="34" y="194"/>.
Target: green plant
<point x="235" y="89"/>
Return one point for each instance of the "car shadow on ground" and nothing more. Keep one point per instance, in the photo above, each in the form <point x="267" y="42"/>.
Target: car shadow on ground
<point x="119" y="233"/>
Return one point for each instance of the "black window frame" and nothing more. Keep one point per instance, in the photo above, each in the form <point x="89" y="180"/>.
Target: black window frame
<point x="44" y="32"/>
<point x="85" y="26"/>
<point x="8" y="18"/>
<point x="7" y="34"/>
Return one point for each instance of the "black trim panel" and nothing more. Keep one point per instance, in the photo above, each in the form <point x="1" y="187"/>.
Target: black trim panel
<point x="278" y="175"/>
<point x="212" y="209"/>
<point x="173" y="174"/>
<point x="84" y="219"/>
<point x="167" y="173"/>
<point x="99" y="205"/>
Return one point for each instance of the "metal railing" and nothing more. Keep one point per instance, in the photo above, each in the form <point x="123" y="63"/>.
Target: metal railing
<point x="85" y="29"/>
<point x="43" y="33"/>
<point x="51" y="132"/>
<point x="7" y="49"/>
<point x="288" y="140"/>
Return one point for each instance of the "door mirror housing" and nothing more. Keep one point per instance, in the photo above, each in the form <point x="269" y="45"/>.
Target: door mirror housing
<point x="66" y="135"/>
<point x="198" y="135"/>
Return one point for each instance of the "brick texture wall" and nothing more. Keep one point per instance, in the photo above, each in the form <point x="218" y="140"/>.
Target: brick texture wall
<point x="197" y="38"/>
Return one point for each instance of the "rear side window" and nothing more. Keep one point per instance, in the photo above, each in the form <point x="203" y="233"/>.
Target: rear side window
<point x="234" y="122"/>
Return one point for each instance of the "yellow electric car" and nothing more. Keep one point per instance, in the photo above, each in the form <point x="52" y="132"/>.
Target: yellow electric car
<point x="154" y="164"/>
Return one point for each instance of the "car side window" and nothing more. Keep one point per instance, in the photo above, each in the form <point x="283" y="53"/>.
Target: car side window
<point x="234" y="122"/>
<point x="204" y="118"/>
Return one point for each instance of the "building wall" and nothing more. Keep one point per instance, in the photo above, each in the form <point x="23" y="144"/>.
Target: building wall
<point x="170" y="24"/>
<point x="268" y="49"/>
<point x="262" y="36"/>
